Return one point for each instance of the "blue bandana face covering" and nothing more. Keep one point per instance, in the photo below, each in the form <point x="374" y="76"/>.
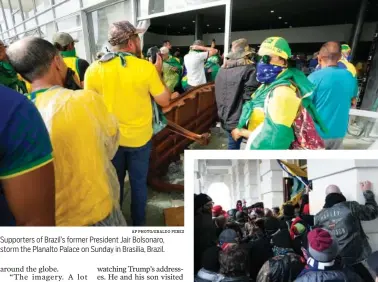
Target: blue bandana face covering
<point x="267" y="73"/>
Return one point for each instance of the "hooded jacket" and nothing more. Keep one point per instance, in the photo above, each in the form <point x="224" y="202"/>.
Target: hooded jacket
<point x="343" y="219"/>
<point x="234" y="84"/>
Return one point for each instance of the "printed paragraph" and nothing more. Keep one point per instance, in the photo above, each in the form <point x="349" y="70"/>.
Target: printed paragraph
<point x="133" y="273"/>
<point x="90" y="244"/>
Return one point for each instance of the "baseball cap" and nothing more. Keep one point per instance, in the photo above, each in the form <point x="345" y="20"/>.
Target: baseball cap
<point x="120" y="32"/>
<point x="275" y="46"/>
<point x="63" y="39"/>
<point x="345" y="48"/>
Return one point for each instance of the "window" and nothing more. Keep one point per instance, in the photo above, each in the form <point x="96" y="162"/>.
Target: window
<point x="87" y="3"/>
<point x="18" y="17"/>
<point x="8" y="18"/>
<point x="79" y="46"/>
<point x="101" y="20"/>
<point x="48" y="31"/>
<point x="30" y="24"/>
<point x="69" y="23"/>
<point x="20" y="29"/>
<point x="42" y="5"/>
<point x="67" y="8"/>
<point x="45" y="17"/>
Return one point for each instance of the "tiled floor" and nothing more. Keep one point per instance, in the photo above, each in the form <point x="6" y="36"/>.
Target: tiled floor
<point x="158" y="201"/>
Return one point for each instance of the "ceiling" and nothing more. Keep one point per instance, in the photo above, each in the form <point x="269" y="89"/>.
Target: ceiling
<point x="258" y="15"/>
<point x="218" y="167"/>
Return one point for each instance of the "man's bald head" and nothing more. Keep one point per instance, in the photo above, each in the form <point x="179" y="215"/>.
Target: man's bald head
<point x="330" y="53"/>
<point x="333" y="189"/>
<point x="32" y="57"/>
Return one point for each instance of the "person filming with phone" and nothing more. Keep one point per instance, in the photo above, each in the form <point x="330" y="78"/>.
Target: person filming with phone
<point x="127" y="84"/>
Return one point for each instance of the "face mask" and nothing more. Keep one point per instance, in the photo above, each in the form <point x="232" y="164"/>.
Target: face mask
<point x="267" y="73"/>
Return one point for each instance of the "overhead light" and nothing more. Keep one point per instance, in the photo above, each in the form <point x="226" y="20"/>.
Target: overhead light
<point x="184" y="27"/>
<point x="219" y="28"/>
<point x="280" y="18"/>
<point x="208" y="25"/>
<point x="285" y="22"/>
<point x="194" y="21"/>
<point x="272" y="11"/>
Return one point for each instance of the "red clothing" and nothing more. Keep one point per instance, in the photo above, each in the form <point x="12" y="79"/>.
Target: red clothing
<point x="306" y="209"/>
<point x="218" y="210"/>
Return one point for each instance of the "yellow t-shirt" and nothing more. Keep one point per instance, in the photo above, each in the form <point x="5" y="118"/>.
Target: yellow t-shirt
<point x="127" y="94"/>
<point x="349" y="66"/>
<point x="84" y="139"/>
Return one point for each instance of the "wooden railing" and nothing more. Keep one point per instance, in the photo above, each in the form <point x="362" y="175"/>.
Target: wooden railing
<point x="190" y="118"/>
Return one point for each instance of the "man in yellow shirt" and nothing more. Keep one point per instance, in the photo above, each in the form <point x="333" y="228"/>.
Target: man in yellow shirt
<point x="128" y="85"/>
<point x="83" y="134"/>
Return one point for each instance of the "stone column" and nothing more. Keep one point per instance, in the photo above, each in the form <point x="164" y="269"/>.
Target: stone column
<point x="271" y="186"/>
<point x="241" y="186"/>
<point x="346" y="174"/>
<point x="251" y="184"/>
<point x="235" y="182"/>
<point x="233" y="186"/>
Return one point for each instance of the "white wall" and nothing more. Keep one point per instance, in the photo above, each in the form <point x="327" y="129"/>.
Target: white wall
<point x="293" y="35"/>
<point x="346" y="174"/>
<point x="271" y="188"/>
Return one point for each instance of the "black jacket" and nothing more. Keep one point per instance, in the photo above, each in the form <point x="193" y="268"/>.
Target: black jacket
<point x="343" y="220"/>
<point x="259" y="251"/>
<point x="234" y="85"/>
<point x="329" y="275"/>
<point x="204" y="237"/>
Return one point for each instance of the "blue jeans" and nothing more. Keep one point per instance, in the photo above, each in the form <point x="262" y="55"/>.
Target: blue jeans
<point x="136" y="162"/>
<point x="232" y="144"/>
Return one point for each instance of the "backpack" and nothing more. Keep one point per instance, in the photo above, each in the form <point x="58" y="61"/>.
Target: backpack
<point x="306" y="136"/>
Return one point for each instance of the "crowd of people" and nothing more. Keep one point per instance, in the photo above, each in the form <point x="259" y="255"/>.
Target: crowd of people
<point x="273" y="99"/>
<point x="254" y="243"/>
<point x="271" y="104"/>
<point x="73" y="130"/>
